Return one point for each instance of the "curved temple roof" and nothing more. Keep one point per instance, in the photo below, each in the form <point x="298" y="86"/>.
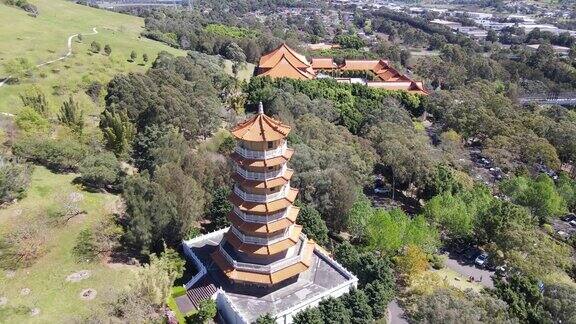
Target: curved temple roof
<point x="261" y="128"/>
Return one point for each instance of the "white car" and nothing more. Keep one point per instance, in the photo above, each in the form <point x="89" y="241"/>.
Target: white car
<point x="481" y="259"/>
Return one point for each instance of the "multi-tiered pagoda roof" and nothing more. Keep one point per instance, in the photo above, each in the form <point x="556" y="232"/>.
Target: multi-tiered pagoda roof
<point x="264" y="245"/>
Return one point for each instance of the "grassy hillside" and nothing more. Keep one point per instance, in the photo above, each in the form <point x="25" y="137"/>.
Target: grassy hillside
<point x="58" y="300"/>
<point x="45" y="38"/>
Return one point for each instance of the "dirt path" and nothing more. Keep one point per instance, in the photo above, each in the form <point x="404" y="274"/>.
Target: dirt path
<point x="69" y="44"/>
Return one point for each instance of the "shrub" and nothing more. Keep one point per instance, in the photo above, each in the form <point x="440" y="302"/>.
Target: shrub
<point x="95" y="47"/>
<point x="100" y="170"/>
<point x="85" y="249"/>
<point x="31" y="121"/>
<point x="14" y="178"/>
<point x="437" y="261"/>
<point x="21" y="247"/>
<point x="59" y="155"/>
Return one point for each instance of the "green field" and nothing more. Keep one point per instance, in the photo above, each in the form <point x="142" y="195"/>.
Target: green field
<point x="45" y="38"/>
<point x="58" y="300"/>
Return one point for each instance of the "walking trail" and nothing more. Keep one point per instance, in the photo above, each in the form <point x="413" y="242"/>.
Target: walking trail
<point x="94" y="32"/>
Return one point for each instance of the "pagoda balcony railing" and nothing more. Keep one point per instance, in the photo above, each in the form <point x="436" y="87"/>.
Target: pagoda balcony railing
<point x="249" y="175"/>
<point x="261" y="268"/>
<point x="261" y="240"/>
<point x="260" y="219"/>
<point x="261" y="155"/>
<point x="262" y="198"/>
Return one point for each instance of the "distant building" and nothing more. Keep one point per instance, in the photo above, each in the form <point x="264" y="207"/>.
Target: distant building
<point x="560" y="50"/>
<point x="262" y="263"/>
<point x="284" y="62"/>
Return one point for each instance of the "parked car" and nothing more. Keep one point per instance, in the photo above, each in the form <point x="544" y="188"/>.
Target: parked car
<point x="572" y="222"/>
<point x="481" y="259"/>
<point x="568" y="217"/>
<point x="500" y="271"/>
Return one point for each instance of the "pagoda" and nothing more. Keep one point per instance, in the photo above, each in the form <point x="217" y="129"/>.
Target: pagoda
<point x="262" y="263"/>
<point x="263" y="246"/>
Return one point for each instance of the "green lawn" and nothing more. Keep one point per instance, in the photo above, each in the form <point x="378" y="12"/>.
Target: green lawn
<point x="44" y="38"/>
<point x="57" y="299"/>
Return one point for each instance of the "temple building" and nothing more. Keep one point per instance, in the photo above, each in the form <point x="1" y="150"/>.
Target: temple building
<point x="284" y="62"/>
<point x="262" y="263"/>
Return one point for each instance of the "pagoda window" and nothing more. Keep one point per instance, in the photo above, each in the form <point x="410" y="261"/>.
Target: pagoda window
<point x="270" y="144"/>
<point x="270" y="168"/>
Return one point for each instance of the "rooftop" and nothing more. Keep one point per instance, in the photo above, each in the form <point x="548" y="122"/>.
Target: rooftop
<point x="323" y="275"/>
<point x="260" y="128"/>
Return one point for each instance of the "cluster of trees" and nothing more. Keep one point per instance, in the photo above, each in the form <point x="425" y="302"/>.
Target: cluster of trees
<point x="365" y="304"/>
<point x="515" y="137"/>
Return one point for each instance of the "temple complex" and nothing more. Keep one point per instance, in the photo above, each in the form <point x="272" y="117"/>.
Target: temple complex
<point x="284" y="62"/>
<point x="262" y="263"/>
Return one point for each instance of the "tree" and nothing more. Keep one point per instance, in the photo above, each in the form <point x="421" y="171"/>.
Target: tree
<point x="107" y="49"/>
<point x="95" y="47"/>
<point x="492" y="36"/>
<point x="71" y="115"/>
<point x="379" y="296"/>
<point x="219" y="208"/>
<point x="161" y="209"/>
<point x="14" y="179"/>
<point x="539" y="195"/>
<point x="313" y="225"/>
<point x="234" y="52"/>
<point x="133" y="56"/>
<point x="207" y="310"/>
<point x="560" y="302"/>
<point x="357" y="302"/>
<point x="404" y="151"/>
<point x="523" y="297"/>
<point x="80" y="37"/>
<point x="31" y="121"/>
<point x="334" y="311"/>
<point x="118" y="132"/>
<point x="412" y="262"/>
<point x="85" y="250"/>
<point x="265" y="319"/>
<point x="148" y="292"/>
<point x="390" y="231"/>
<point x="310" y="315"/>
<point x="100" y="170"/>
<point x="451" y="306"/>
<point x="145" y="57"/>
<point x="458" y="213"/>
<point x="358" y="216"/>
<point x="35" y="99"/>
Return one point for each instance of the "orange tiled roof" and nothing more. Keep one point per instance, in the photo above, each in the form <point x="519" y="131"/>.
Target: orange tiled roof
<point x="270" y="207"/>
<point x="271" y="59"/>
<point x="262" y="163"/>
<point x="360" y="65"/>
<point x="286" y="69"/>
<point x="409" y="86"/>
<point x="261" y="128"/>
<point x="324" y="63"/>
<point x="267" y="228"/>
<point x="262" y="278"/>
<point x="264" y="250"/>
<point x="262" y="184"/>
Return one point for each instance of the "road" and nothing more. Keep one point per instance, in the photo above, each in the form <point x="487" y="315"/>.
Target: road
<point x="467" y="269"/>
<point x="69" y="45"/>
<point x="396" y="313"/>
